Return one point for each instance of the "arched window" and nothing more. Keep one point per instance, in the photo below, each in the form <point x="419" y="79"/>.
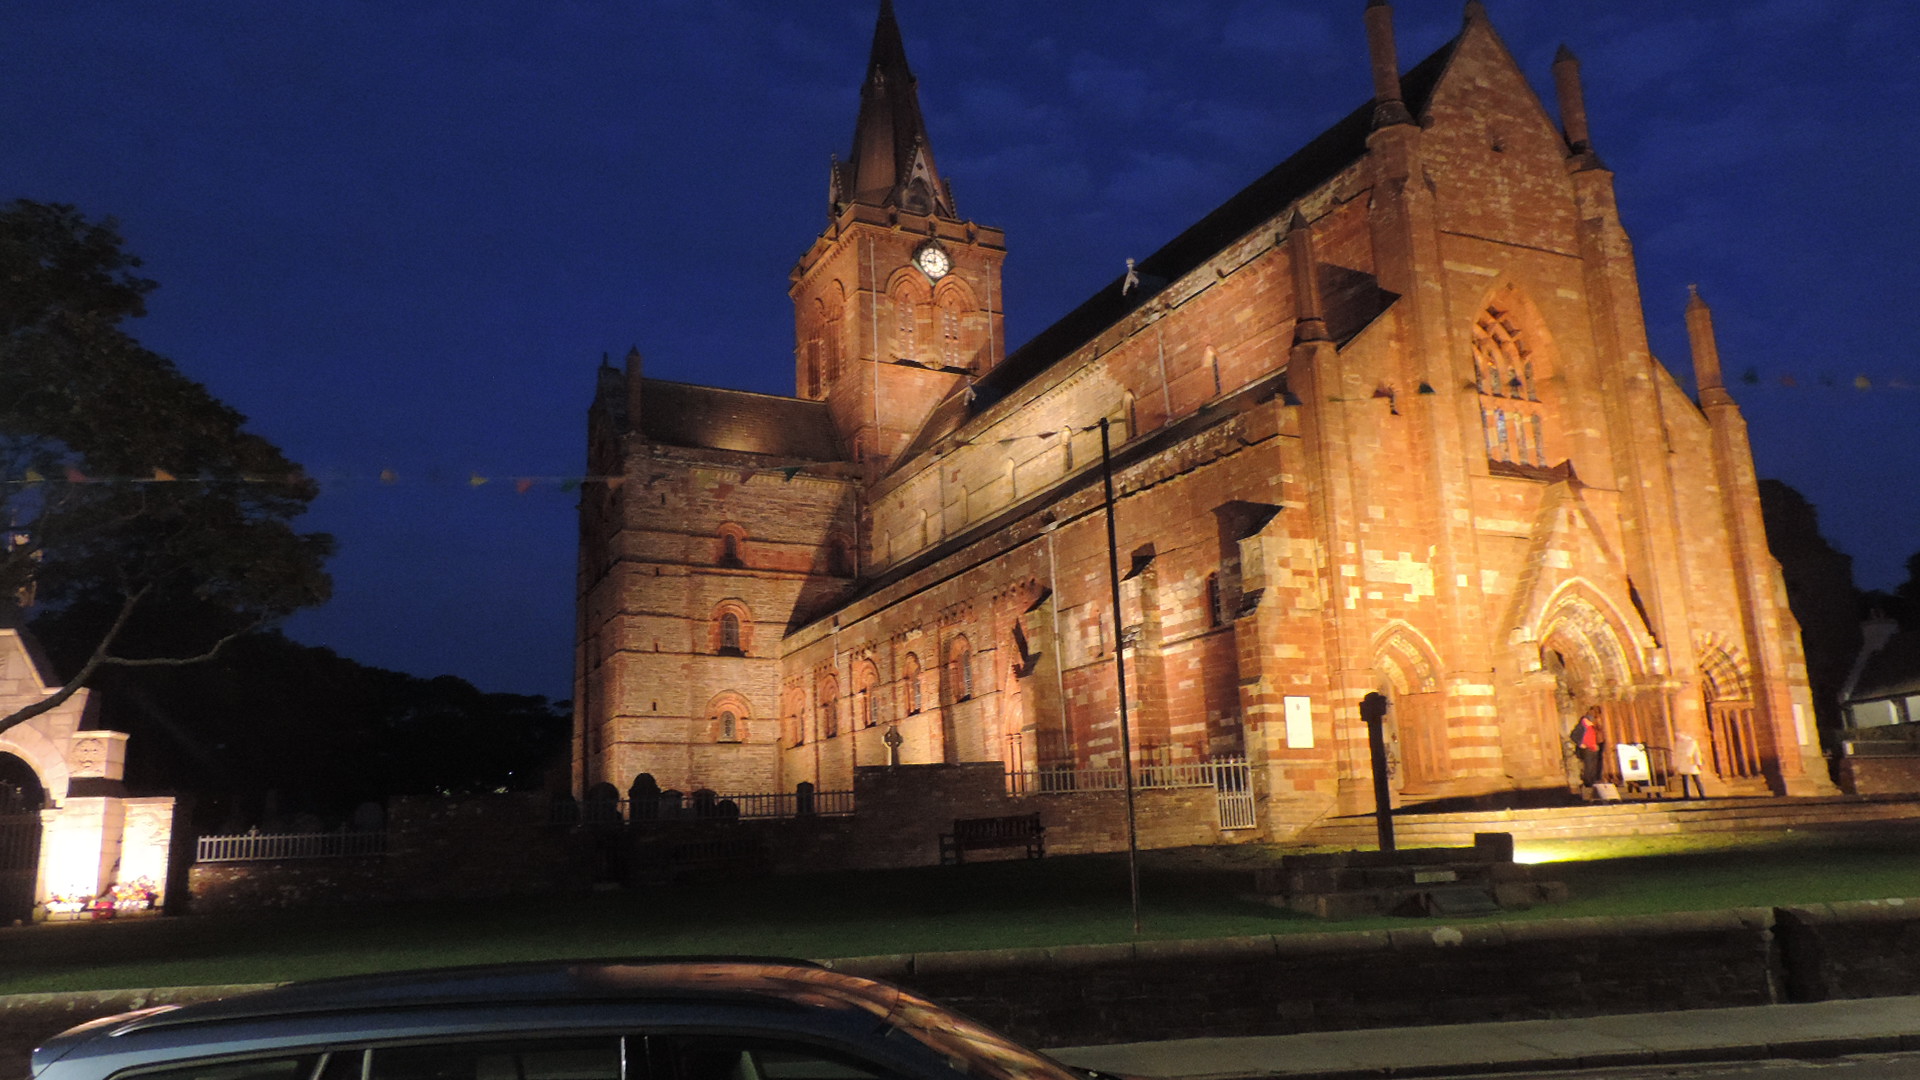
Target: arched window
<point x="953" y="351"/>
<point x="813" y="380"/>
<point x="1508" y="376"/>
<point x="731" y="630"/>
<point x="906" y="323"/>
<point x="793" y="724"/>
<point x="829" y="707"/>
<point x="729" y="731"/>
<point x="960" y="669"/>
<point x="867" y="707"/>
<point x="835" y="315"/>
<point x="912" y="679"/>
<point x="731" y="538"/>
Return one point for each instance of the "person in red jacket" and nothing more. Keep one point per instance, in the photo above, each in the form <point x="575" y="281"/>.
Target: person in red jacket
<point x="1585" y="737"/>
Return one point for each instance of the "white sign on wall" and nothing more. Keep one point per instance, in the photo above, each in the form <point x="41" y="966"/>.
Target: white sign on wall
<point x="1300" y="723"/>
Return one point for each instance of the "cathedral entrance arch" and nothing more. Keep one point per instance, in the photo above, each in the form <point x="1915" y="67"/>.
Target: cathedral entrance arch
<point x="21" y="799"/>
<point x="1588" y="654"/>
<point x="1734" y="751"/>
<point x="1404" y="669"/>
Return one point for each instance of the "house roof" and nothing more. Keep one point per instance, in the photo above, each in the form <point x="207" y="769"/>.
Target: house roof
<point x="711" y="418"/>
<point x="1894" y="671"/>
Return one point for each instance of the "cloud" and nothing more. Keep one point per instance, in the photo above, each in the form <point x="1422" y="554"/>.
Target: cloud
<point x="1301" y="36"/>
<point x="1115" y="89"/>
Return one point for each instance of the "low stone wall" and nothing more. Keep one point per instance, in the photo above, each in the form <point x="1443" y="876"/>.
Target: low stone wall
<point x="503" y="845"/>
<point x="1851" y="949"/>
<point x="1423" y="974"/>
<point x="902" y="811"/>
<point x="1284" y="984"/>
<point x="1879" y="774"/>
<point x="496" y="845"/>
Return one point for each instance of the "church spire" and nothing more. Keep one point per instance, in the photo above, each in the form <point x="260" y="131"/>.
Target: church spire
<point x="892" y="160"/>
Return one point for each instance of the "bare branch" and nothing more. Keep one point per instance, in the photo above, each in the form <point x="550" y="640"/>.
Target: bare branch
<point x="72" y="686"/>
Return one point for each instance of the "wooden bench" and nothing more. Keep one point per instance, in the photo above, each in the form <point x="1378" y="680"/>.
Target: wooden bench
<point x="980" y="834"/>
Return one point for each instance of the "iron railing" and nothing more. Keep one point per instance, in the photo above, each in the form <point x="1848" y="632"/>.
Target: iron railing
<point x="753" y="806"/>
<point x="1185" y="774"/>
<point x="251" y="847"/>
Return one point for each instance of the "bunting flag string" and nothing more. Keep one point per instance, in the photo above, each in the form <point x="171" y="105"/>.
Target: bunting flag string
<point x="524" y="485"/>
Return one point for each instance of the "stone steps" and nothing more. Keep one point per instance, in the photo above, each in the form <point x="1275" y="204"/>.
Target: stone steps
<point x="1653" y="818"/>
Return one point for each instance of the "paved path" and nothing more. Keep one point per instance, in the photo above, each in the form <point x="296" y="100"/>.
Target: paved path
<point x="1822" y="1029"/>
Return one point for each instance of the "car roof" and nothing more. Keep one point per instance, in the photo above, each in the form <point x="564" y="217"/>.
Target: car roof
<point x="768" y="986"/>
<point x="742" y="980"/>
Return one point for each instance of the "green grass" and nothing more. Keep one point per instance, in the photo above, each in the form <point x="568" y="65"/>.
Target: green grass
<point x="1190" y="893"/>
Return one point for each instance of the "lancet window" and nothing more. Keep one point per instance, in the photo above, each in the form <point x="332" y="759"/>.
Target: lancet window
<point x="1509" y="379"/>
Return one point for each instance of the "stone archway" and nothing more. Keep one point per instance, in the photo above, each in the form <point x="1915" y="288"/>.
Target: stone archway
<point x="1404" y="670"/>
<point x="22" y="797"/>
<point x="86" y="834"/>
<point x="1592" y="666"/>
<point x="1737" y="747"/>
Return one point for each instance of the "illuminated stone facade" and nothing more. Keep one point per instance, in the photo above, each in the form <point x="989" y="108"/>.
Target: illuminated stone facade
<point x="1386" y="421"/>
<point x="92" y="835"/>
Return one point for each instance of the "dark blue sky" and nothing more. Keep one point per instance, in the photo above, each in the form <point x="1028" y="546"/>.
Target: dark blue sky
<point x="400" y="235"/>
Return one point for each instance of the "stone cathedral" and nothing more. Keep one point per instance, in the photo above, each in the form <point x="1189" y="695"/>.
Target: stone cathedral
<point x="1386" y="421"/>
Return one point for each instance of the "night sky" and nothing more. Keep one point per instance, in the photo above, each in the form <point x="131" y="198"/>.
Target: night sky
<point x="399" y="236"/>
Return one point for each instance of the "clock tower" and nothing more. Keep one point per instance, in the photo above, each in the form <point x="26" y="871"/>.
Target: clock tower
<point x="897" y="305"/>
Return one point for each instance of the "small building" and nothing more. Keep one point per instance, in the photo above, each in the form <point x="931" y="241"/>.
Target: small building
<point x="68" y="830"/>
<point x="1879" y="748"/>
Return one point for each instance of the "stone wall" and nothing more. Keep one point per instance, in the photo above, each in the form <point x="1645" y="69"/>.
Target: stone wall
<point x="1879" y="775"/>
<point x="498" y="845"/>
<point x="1422" y="975"/>
<point x="904" y="809"/>
<point x="503" y="845"/>
<point x="1425" y="974"/>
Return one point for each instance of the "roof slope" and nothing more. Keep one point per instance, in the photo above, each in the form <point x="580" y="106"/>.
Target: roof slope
<point x="1894" y="671"/>
<point x="1311" y="166"/>
<point x="711" y="418"/>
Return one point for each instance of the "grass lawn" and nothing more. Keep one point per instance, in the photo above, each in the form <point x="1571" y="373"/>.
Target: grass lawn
<point x="1188" y="893"/>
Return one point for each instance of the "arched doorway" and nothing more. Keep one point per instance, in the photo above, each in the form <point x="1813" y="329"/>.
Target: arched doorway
<point x="1593" y="667"/>
<point x="1416" y="719"/>
<point x="1734" y="750"/>
<point x="21" y="799"/>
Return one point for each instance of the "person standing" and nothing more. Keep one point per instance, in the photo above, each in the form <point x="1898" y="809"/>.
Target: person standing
<point x="1686" y="764"/>
<point x="1585" y="737"/>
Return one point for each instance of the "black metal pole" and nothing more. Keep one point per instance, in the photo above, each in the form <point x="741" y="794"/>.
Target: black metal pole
<point x="1373" y="709"/>
<point x="1120" y="674"/>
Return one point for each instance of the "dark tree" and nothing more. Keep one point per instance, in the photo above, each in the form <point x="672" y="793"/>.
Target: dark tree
<point x="126" y="488"/>
<point x="1820" y="592"/>
<point x="272" y="728"/>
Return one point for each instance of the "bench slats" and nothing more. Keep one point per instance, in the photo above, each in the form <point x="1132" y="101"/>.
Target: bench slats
<point x="978" y="834"/>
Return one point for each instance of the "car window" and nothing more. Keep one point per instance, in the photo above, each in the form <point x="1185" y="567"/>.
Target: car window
<point x="524" y="1059"/>
<point x="720" y="1057"/>
<point x="292" y="1067"/>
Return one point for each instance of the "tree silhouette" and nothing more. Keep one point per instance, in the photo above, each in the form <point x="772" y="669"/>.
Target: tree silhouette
<point x="125" y="487"/>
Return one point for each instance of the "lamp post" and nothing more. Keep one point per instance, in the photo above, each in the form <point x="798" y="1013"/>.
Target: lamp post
<point x="1120" y="675"/>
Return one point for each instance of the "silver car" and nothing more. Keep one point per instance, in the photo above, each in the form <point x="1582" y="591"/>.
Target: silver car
<point x="671" y="1019"/>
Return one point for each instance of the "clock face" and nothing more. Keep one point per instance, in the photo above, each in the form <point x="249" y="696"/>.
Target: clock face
<point x="933" y="260"/>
